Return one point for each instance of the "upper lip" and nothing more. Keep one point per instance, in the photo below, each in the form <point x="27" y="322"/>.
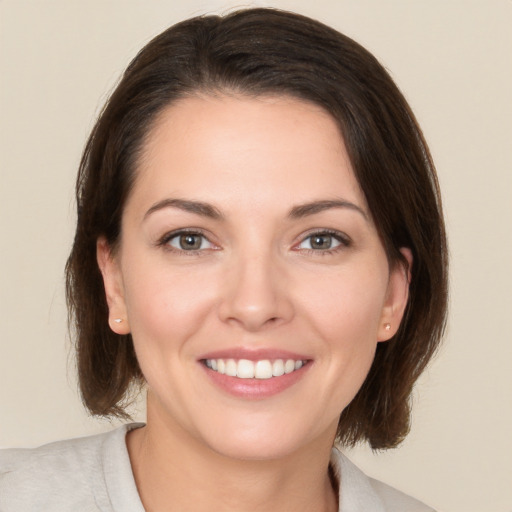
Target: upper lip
<point x="254" y="354"/>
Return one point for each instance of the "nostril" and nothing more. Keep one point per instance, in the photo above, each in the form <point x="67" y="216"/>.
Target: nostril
<point x="253" y="298"/>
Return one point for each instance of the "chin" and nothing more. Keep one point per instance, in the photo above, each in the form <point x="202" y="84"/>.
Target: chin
<point x="266" y="440"/>
<point x="259" y="449"/>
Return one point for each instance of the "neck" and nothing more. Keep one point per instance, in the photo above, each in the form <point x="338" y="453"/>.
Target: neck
<point x="175" y="472"/>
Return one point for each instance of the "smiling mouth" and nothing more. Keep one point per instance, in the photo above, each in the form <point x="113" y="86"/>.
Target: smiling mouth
<point x="262" y="369"/>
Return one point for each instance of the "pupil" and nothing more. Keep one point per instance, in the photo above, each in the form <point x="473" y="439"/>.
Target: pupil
<point x="321" y="242"/>
<point x="190" y="242"/>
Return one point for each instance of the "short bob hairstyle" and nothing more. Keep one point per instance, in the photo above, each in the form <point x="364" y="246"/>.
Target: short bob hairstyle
<point x="262" y="52"/>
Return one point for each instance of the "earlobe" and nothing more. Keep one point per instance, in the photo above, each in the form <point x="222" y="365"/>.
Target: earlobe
<point x="114" y="291"/>
<point x="396" y="297"/>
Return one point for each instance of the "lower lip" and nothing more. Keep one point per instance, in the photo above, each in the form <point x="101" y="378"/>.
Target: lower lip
<point x="256" y="389"/>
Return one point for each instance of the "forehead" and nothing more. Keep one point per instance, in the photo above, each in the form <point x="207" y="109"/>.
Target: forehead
<point x="228" y="146"/>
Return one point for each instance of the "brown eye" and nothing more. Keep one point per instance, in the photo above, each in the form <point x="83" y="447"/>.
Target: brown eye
<point x="324" y="241"/>
<point x="321" y="241"/>
<point x="189" y="242"/>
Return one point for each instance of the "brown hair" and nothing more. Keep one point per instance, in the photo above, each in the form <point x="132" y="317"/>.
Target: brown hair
<point x="259" y="52"/>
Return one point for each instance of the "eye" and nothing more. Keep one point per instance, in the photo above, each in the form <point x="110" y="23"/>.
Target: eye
<point x="187" y="241"/>
<point x="323" y="241"/>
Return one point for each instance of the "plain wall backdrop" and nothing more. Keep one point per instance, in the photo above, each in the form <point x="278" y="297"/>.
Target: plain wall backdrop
<point x="452" y="59"/>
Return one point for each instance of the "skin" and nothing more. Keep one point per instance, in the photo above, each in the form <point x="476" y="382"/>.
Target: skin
<point x="255" y="282"/>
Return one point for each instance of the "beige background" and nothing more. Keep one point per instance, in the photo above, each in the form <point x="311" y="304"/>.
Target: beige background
<point x="59" y="59"/>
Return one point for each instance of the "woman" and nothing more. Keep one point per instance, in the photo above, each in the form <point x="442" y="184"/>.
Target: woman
<point x="260" y="244"/>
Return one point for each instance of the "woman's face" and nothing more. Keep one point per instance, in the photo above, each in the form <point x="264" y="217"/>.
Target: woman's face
<point x="250" y="275"/>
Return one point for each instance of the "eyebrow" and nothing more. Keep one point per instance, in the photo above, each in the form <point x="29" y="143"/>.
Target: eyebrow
<point x="297" y="212"/>
<point x="306" y="209"/>
<point x="197" y="207"/>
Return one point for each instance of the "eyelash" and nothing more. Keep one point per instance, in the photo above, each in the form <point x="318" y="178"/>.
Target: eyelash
<point x="342" y="238"/>
<point x="164" y="242"/>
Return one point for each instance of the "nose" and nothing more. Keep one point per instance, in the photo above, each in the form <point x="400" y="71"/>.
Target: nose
<point x="256" y="294"/>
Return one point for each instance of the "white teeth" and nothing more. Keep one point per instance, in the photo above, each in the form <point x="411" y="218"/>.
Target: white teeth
<point x="289" y="366"/>
<point x="263" y="369"/>
<point x="278" y="368"/>
<point x="231" y="367"/>
<point x="246" y="369"/>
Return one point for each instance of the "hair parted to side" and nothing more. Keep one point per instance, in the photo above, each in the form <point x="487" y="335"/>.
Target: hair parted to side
<point x="259" y="52"/>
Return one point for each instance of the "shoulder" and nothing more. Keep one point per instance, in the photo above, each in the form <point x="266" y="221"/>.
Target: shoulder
<point x="65" y="475"/>
<point x="393" y="499"/>
<point x="57" y="476"/>
<point x="360" y="493"/>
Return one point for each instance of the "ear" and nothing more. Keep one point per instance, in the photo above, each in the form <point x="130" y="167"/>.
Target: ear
<point x="114" y="290"/>
<point x="396" y="297"/>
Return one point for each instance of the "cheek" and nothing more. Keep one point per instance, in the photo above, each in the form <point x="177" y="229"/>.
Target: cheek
<point x="345" y="311"/>
<point x="347" y="305"/>
<point x="167" y="307"/>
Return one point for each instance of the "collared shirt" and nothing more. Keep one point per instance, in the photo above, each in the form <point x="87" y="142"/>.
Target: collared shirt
<point x="93" y="474"/>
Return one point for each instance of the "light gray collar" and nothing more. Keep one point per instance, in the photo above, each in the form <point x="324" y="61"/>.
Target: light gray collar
<point x="356" y="493"/>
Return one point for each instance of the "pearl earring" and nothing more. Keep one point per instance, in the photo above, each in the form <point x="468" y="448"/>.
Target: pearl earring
<point x="118" y="320"/>
<point x="387" y="327"/>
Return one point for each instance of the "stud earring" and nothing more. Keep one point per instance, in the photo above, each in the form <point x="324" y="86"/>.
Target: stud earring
<point x="118" y="320"/>
<point x="387" y="327"/>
